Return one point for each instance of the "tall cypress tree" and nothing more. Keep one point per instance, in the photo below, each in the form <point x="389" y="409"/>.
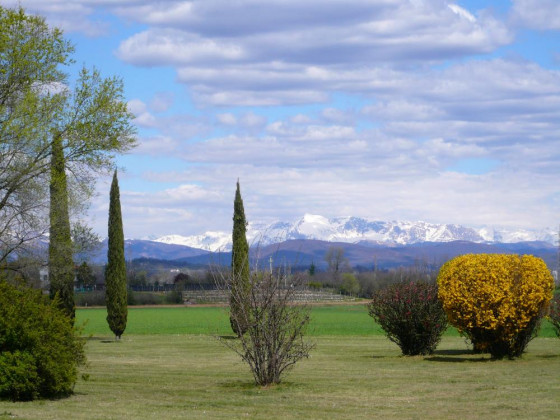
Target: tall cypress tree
<point x="115" y="272"/>
<point x="240" y="286"/>
<point x="61" y="264"/>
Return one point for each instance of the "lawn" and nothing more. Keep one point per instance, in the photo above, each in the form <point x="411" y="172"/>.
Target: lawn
<point x="178" y="370"/>
<point x="331" y="320"/>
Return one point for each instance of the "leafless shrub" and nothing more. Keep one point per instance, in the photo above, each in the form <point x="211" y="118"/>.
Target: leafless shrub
<point x="274" y="340"/>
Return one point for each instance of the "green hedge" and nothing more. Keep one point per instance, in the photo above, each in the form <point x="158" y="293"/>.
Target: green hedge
<point x="40" y="350"/>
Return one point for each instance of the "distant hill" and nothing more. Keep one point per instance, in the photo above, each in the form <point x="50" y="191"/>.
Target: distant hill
<point x="137" y="248"/>
<point x="303" y="252"/>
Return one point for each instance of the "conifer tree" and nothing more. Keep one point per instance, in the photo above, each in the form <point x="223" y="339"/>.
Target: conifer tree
<point x="240" y="286"/>
<point x="115" y="272"/>
<point x="61" y="265"/>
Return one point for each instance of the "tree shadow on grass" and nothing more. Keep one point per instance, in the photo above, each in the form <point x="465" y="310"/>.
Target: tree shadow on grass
<point x="251" y="387"/>
<point x="453" y="352"/>
<point x="453" y="359"/>
<point x="238" y="384"/>
<point x="547" y="356"/>
<point x="101" y="339"/>
<point x="378" y="356"/>
<point x="227" y="337"/>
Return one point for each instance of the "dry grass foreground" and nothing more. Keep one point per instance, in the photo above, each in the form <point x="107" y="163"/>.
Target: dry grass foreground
<point x="194" y="376"/>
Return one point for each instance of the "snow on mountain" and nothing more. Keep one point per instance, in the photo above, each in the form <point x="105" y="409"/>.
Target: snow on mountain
<point x="355" y="229"/>
<point x="521" y="235"/>
<point x="210" y="241"/>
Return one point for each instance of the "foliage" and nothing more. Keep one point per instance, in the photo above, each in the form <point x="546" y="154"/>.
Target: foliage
<point x="40" y="351"/>
<point x="174" y="296"/>
<point x="61" y="264"/>
<point x="554" y="314"/>
<point x="316" y="285"/>
<point x="144" y="298"/>
<point x="497" y="301"/>
<point x="84" y="276"/>
<point x="84" y="240"/>
<point x="312" y="269"/>
<point x="115" y="272"/>
<point x="411" y="316"/>
<point x="350" y="285"/>
<point x="30" y="56"/>
<point x="239" y="266"/>
<point x="39" y="108"/>
<point x="273" y="341"/>
<point x="91" y="298"/>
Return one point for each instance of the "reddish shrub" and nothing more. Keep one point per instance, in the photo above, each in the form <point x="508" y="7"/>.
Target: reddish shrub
<point x="554" y="314"/>
<point x="411" y="316"/>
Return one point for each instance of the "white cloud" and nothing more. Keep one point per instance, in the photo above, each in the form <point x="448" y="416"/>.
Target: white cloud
<point x="251" y="120"/>
<point x="395" y="94"/>
<point x="169" y="46"/>
<point x="293" y="52"/>
<point x="161" y="101"/>
<point x="72" y="16"/>
<point x="143" y="117"/>
<point x="227" y="119"/>
<point x="537" y="14"/>
<point x="157" y="146"/>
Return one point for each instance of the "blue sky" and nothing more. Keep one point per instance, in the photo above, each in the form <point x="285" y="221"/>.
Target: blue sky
<point x="447" y="112"/>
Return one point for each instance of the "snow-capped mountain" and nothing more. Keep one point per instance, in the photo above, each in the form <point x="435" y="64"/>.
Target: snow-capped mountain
<point x="210" y="241"/>
<point x="355" y="229"/>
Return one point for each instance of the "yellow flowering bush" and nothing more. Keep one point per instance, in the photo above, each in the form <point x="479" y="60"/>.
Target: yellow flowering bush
<point x="496" y="300"/>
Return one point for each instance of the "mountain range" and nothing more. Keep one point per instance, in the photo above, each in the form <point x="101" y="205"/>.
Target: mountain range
<point x="365" y="243"/>
<point x="358" y="230"/>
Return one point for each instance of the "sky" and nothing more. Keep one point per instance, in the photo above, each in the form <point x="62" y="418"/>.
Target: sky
<point x="432" y="110"/>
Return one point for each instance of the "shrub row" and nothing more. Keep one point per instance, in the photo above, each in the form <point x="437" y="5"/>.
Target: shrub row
<point x="97" y="298"/>
<point x="496" y="301"/>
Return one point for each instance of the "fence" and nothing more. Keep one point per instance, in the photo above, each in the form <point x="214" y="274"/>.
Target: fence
<point x="222" y="296"/>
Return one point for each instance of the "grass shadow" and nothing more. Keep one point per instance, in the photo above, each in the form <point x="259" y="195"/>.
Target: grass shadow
<point x="227" y="337"/>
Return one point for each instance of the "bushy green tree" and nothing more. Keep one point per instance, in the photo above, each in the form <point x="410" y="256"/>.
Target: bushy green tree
<point x="84" y="275"/>
<point x="40" y="350"/>
<point x="115" y="273"/>
<point x="61" y="264"/>
<point x="31" y="55"/>
<point x="40" y="113"/>
<point x="240" y="285"/>
<point x="350" y="285"/>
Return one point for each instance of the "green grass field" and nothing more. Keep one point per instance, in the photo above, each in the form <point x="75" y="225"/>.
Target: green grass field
<point x="169" y="366"/>
<point x="331" y="320"/>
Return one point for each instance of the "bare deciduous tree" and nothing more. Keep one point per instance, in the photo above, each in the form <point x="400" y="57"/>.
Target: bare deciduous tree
<point x="336" y="261"/>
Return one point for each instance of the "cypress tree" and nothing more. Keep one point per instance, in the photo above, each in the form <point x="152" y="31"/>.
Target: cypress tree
<point x="240" y="286"/>
<point x="61" y="265"/>
<point x="115" y="272"/>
